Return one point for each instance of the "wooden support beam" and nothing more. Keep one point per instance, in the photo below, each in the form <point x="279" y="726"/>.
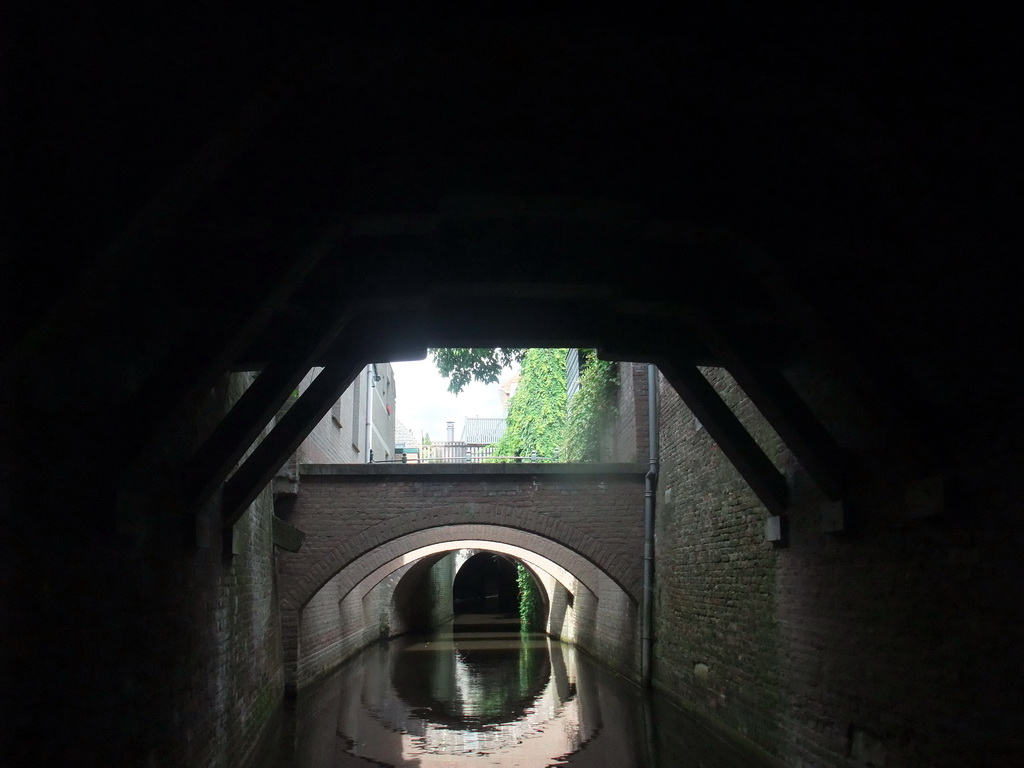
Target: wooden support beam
<point x="203" y="356"/>
<point x="778" y="402"/>
<point x="796" y="424"/>
<point x="907" y="431"/>
<point x="257" y="407"/>
<point x="732" y="437"/>
<point x="267" y="457"/>
<point x="374" y="337"/>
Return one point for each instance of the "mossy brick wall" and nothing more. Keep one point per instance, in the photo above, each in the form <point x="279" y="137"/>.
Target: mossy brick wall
<point x="157" y="648"/>
<point x="895" y="642"/>
<point x="232" y="683"/>
<point x="716" y="645"/>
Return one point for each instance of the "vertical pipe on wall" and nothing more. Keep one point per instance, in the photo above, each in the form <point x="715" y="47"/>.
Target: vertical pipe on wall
<point x="370" y="385"/>
<point x="650" y="482"/>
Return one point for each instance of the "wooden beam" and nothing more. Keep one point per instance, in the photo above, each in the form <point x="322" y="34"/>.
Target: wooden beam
<point x="732" y="437"/>
<point x="201" y="357"/>
<point x="258" y="469"/>
<point x="907" y="432"/>
<point x="796" y="424"/>
<point x="374" y="337"/>
<point x="778" y="402"/>
<point x="255" y="409"/>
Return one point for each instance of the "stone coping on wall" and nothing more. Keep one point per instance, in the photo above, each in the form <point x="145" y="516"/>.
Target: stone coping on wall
<point x="471" y="470"/>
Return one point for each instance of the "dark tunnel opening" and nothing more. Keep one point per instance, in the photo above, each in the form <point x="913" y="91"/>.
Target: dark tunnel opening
<point x="486" y="584"/>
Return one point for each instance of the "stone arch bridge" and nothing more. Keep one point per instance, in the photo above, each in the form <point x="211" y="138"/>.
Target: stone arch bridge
<point x="579" y="528"/>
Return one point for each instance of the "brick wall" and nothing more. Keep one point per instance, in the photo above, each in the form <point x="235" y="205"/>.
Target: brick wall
<point x="608" y="627"/>
<point x="423" y="596"/>
<point x="716" y="645"/>
<point x="340" y="436"/>
<point x="887" y="644"/>
<point x="134" y="639"/>
<point x="228" y="694"/>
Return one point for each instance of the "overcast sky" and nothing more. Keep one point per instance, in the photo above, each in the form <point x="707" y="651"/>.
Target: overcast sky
<point x="423" y="402"/>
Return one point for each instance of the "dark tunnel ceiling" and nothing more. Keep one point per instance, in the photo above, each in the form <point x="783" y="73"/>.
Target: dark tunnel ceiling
<point x="858" y="152"/>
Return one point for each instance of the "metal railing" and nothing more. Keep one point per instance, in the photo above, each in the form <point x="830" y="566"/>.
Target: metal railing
<point x="471" y="456"/>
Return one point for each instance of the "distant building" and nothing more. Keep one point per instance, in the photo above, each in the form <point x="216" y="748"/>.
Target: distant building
<point x="407" y="444"/>
<point x="508" y="388"/>
<point x="478" y="436"/>
<point x="480" y="433"/>
<point x="359" y="428"/>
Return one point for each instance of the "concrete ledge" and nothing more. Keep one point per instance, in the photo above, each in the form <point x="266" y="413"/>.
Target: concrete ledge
<point x="471" y="470"/>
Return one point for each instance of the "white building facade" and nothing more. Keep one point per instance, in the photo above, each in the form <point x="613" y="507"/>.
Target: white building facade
<point x="360" y="426"/>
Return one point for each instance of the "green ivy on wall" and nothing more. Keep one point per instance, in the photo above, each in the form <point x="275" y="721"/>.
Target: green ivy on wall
<point x="538" y="420"/>
<point x="591" y="409"/>
<point x="537" y="411"/>
<point x="531" y="604"/>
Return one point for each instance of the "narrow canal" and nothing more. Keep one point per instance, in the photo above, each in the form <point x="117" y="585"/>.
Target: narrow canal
<point x="480" y="693"/>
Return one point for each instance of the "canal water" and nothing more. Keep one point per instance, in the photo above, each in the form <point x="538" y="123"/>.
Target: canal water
<point x="483" y="694"/>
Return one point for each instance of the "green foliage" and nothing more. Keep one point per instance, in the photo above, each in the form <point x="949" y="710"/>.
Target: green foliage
<point x="591" y="408"/>
<point x="531" y="603"/>
<point x="537" y="411"/>
<point x="538" y="419"/>
<point x="462" y="365"/>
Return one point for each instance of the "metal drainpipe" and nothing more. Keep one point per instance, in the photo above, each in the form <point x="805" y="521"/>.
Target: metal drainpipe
<point x="370" y="385"/>
<point x="650" y="483"/>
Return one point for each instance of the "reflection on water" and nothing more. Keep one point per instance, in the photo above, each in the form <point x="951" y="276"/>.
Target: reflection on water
<point x="457" y="697"/>
<point x="479" y="698"/>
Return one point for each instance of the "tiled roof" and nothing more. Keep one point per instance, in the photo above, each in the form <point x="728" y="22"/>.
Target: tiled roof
<point x="404" y="435"/>
<point x="482" y="431"/>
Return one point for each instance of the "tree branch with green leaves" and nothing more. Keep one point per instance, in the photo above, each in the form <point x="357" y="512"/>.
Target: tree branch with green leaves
<point x="463" y="365"/>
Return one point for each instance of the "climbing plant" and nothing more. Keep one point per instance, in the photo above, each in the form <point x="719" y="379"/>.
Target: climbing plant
<point x="531" y="604"/>
<point x="537" y="411"/>
<point x="538" y="419"/>
<point x="590" y="410"/>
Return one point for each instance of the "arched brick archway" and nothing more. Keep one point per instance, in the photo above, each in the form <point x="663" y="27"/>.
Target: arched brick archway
<point x="569" y="570"/>
<point x="414" y="568"/>
<point x="533" y="562"/>
<point x="392" y="553"/>
<point x="603" y="621"/>
<point x="587" y="518"/>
